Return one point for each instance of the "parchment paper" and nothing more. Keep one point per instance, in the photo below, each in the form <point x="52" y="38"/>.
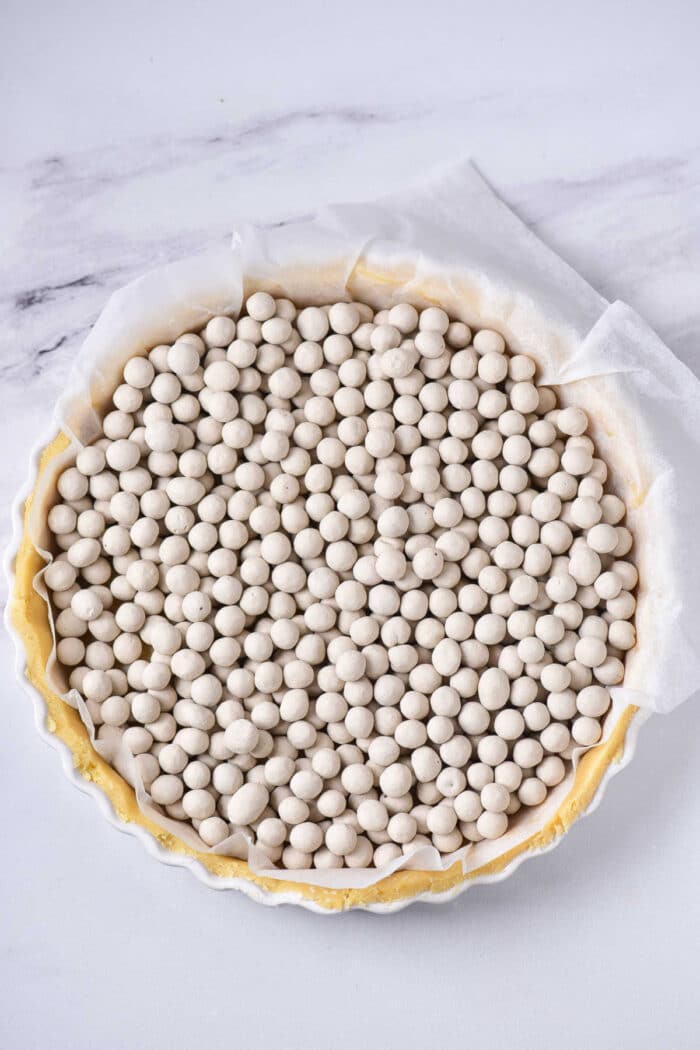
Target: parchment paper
<point x="449" y="241"/>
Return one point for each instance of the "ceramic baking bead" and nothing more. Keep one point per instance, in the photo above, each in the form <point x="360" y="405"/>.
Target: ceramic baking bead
<point x="213" y="831"/>
<point x="341" y="839"/>
<point x="491" y="825"/>
<point x="532" y="791"/>
<point x="166" y="790"/>
<point x="247" y="803"/>
<point x="586" y="731"/>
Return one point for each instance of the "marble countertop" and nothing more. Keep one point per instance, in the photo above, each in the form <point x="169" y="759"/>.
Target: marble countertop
<point x="139" y="137"/>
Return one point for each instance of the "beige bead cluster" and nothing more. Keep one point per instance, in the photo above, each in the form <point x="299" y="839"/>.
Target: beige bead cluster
<point x="347" y="581"/>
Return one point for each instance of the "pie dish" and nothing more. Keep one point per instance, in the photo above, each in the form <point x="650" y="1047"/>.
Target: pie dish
<point x="28" y="614"/>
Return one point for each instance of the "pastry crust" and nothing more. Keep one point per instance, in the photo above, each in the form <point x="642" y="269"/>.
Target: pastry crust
<point x="29" y="615"/>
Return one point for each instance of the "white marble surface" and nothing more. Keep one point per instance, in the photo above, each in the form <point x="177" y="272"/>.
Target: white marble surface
<point x="129" y="138"/>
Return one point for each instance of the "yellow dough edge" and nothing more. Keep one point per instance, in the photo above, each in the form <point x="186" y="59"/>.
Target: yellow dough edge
<point x="29" y="616"/>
